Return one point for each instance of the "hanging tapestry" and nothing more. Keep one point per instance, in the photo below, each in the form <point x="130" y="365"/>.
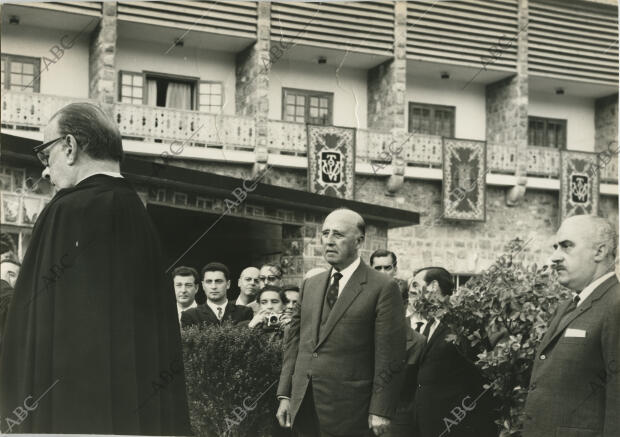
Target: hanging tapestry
<point x="331" y="161"/>
<point x="579" y="183"/>
<point x="464" y="179"/>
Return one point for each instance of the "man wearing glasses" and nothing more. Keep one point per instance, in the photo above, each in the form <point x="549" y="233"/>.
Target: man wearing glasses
<point x="93" y="322"/>
<point x="270" y="274"/>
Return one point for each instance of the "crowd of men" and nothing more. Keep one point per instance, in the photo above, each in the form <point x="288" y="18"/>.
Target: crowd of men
<point x="88" y="340"/>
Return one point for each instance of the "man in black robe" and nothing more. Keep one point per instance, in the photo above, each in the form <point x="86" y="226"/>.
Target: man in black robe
<point x="92" y="341"/>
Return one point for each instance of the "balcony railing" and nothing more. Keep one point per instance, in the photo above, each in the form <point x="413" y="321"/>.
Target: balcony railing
<point x="193" y="127"/>
<point x="30" y="111"/>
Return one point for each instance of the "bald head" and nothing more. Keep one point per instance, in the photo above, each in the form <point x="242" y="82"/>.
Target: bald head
<point x="342" y="236"/>
<point x="248" y="283"/>
<point x="585" y="249"/>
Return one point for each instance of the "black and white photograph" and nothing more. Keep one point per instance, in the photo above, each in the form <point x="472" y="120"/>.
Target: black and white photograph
<point x="392" y="218"/>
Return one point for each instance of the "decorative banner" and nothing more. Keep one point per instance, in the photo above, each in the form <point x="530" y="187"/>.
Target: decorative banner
<point x="331" y="161"/>
<point x="579" y="184"/>
<point x="464" y="179"/>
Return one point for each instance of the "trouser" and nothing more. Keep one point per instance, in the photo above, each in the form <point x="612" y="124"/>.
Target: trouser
<point x="307" y="421"/>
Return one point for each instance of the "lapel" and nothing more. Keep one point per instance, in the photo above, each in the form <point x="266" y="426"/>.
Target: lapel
<point x="229" y="312"/>
<point x="346" y="298"/>
<point x="439" y="333"/>
<point x="556" y="328"/>
<point x="317" y="296"/>
<point x="209" y="314"/>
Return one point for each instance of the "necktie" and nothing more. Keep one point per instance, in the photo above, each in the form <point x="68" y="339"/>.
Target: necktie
<point x="332" y="291"/>
<point x="418" y="326"/>
<point x="219" y="313"/>
<point x="330" y="297"/>
<point x="569" y="309"/>
<point x="427" y="328"/>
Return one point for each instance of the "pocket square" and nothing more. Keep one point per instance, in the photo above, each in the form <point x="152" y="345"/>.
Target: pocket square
<point x="570" y="332"/>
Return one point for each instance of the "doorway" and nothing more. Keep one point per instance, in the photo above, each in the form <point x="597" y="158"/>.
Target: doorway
<point x="234" y="241"/>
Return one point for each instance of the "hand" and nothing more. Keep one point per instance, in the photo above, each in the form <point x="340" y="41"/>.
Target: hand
<point x="284" y="413"/>
<point x="378" y="424"/>
<point x="258" y="317"/>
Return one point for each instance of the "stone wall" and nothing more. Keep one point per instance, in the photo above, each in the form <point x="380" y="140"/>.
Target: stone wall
<point x="102" y="58"/>
<point x="606" y="123"/>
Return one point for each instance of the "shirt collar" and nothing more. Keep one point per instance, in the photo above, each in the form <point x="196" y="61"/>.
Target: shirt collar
<point x="214" y="306"/>
<point x="590" y="288"/>
<point x="347" y="271"/>
<point x="180" y="308"/>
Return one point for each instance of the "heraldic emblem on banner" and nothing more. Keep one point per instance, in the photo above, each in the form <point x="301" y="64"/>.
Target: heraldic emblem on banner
<point x="331" y="161"/>
<point x="579" y="184"/>
<point x="464" y="179"/>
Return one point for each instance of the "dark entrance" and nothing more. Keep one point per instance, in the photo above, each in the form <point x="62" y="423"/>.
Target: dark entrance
<point x="236" y="242"/>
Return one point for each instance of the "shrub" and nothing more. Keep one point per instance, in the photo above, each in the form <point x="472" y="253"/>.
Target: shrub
<point x="231" y="377"/>
<point x="502" y="315"/>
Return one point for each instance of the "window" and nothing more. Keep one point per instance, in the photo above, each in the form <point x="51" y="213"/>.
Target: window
<point x="156" y="89"/>
<point x="303" y="106"/>
<point x="431" y="119"/>
<point x="20" y="73"/>
<point x="547" y="132"/>
<point x="131" y="88"/>
<point x="460" y="280"/>
<point x="210" y="97"/>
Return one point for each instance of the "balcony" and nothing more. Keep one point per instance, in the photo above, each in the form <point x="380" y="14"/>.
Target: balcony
<point x="27" y="111"/>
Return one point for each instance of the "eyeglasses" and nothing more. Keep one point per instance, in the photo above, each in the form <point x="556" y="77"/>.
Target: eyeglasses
<point x="269" y="278"/>
<point x="39" y="151"/>
<point x="386" y="268"/>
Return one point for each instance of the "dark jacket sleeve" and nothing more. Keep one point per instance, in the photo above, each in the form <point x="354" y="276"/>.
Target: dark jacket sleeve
<point x="245" y="313"/>
<point x="610" y="341"/>
<point x="290" y="349"/>
<point x="390" y="351"/>
<point x="189" y="318"/>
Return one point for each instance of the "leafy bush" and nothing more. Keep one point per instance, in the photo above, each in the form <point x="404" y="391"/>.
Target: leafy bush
<point x="231" y="376"/>
<point x="502" y="315"/>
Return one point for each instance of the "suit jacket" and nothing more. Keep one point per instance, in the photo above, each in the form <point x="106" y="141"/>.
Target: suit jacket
<point x="355" y="361"/>
<point x="575" y="388"/>
<point x="402" y="422"/>
<point x="203" y="315"/>
<point x="447" y="380"/>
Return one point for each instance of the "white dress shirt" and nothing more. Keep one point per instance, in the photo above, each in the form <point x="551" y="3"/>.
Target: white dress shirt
<point x="590" y="288"/>
<point x="180" y="309"/>
<point x="346" y="273"/>
<point x="214" y="307"/>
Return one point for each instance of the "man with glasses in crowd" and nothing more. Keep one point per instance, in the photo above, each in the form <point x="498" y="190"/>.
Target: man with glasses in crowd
<point x="92" y="318"/>
<point x="270" y="274"/>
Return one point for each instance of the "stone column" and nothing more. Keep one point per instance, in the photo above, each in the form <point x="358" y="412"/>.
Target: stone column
<point x="102" y="58"/>
<point x="387" y="88"/>
<point x="252" y="83"/>
<point x="606" y="124"/>
<point x="506" y="109"/>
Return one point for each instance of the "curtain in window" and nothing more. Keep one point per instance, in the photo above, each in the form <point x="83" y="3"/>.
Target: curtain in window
<point x="151" y="92"/>
<point x="179" y="95"/>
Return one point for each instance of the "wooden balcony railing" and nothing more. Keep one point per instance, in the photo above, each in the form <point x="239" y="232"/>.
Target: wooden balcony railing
<point x="28" y="111"/>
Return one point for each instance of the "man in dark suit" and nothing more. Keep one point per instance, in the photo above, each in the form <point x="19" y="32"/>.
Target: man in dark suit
<point x="217" y="309"/>
<point x="575" y="387"/>
<point x="345" y="348"/>
<point x="450" y="399"/>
